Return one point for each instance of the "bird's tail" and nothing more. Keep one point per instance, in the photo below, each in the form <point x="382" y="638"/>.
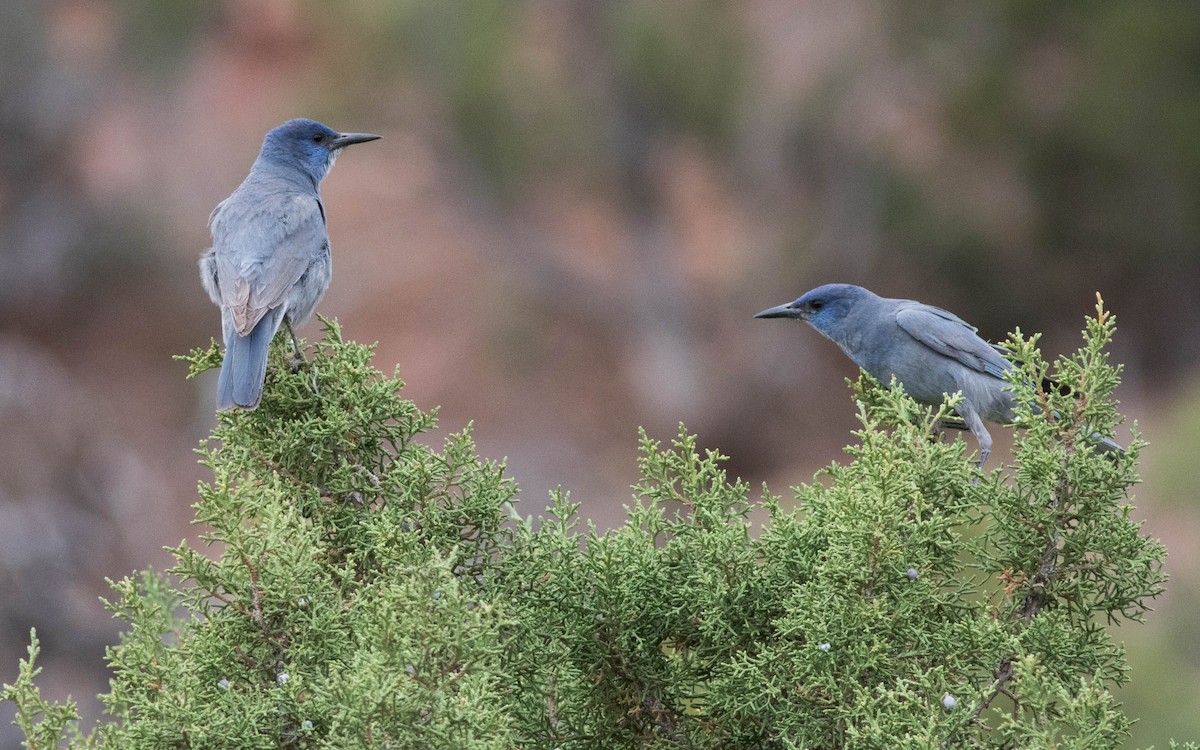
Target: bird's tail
<point x="1100" y="443"/>
<point x="1104" y="445"/>
<point x="240" y="383"/>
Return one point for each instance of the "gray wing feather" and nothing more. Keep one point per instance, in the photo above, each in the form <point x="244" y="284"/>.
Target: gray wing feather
<point x="950" y="336"/>
<point x="264" y="252"/>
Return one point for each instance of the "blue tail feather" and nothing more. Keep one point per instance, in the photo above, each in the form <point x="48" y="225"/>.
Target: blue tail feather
<point x="240" y="383"/>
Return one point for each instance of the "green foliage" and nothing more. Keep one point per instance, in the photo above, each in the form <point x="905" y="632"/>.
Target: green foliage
<point x="43" y="724"/>
<point x="362" y="589"/>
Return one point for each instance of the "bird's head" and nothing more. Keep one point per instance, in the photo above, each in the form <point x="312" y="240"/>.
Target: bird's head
<point x="307" y="145"/>
<point x="824" y="308"/>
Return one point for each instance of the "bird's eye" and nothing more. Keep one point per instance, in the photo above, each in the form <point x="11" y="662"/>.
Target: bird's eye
<point x="318" y="138"/>
<point x="816" y="304"/>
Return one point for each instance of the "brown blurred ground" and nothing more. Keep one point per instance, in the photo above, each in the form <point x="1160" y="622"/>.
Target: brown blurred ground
<point x="575" y="211"/>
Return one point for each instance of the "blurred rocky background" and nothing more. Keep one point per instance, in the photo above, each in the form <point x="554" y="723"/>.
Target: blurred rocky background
<point x="575" y="211"/>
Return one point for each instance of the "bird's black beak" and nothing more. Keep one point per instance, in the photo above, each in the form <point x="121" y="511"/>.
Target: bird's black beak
<point x="780" y="311"/>
<point x="345" y="139"/>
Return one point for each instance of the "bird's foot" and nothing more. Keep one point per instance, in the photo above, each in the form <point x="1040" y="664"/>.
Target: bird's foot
<point x="298" y="359"/>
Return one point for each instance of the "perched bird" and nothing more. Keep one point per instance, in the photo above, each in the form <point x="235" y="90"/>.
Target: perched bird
<point x="269" y="263"/>
<point x="931" y="352"/>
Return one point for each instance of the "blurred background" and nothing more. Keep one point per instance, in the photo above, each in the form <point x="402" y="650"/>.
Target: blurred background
<point x="575" y="211"/>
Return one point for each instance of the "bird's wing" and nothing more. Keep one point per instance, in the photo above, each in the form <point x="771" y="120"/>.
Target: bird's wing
<point x="267" y="251"/>
<point x="952" y="337"/>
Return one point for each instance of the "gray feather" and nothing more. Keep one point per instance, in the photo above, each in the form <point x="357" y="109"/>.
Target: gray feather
<point x="270" y="259"/>
<point x="928" y="350"/>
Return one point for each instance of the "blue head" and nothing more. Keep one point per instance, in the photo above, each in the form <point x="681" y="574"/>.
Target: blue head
<point x="307" y="145"/>
<point x="825" y="308"/>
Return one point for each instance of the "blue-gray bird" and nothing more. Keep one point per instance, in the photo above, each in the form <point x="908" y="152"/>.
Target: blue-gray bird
<point x="930" y="352"/>
<point x="269" y="264"/>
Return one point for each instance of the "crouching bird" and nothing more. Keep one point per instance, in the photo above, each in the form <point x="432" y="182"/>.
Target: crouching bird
<point x="269" y="264"/>
<point x="930" y="352"/>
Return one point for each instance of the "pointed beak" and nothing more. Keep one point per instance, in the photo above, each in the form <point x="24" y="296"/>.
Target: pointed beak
<point x="780" y="311"/>
<point x="346" y="139"/>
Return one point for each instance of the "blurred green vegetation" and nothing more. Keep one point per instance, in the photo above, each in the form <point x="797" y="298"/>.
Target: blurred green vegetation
<point x="157" y="36"/>
<point x="1094" y="107"/>
<point x="1004" y="159"/>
